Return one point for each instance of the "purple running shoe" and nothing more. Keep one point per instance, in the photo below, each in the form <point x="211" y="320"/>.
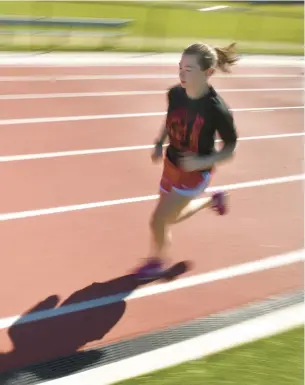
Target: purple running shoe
<point x="152" y="269"/>
<point x="219" y="202"/>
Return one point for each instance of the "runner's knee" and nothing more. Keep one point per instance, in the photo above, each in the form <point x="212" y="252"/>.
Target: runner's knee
<point x="168" y="210"/>
<point x="161" y="219"/>
<point x="158" y="219"/>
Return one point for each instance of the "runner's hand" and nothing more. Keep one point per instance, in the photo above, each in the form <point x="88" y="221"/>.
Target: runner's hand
<point x="189" y="161"/>
<point x="157" y="153"/>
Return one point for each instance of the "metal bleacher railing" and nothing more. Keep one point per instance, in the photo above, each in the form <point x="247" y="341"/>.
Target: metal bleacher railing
<point x="148" y="29"/>
<point x="48" y="26"/>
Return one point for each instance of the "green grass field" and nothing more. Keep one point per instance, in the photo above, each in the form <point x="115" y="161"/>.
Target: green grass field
<point x="167" y="27"/>
<point x="278" y="360"/>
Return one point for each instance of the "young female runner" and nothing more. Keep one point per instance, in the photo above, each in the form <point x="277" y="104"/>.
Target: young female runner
<point x="196" y="113"/>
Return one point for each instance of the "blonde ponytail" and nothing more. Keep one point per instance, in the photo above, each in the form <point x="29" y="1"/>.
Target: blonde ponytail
<point x="226" y="57"/>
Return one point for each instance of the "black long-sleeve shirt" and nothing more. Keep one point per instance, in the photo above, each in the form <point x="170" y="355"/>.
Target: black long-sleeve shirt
<point x="192" y="124"/>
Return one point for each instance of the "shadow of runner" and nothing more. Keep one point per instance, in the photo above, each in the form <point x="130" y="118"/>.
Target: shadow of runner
<point x="59" y="337"/>
<point x="55" y="338"/>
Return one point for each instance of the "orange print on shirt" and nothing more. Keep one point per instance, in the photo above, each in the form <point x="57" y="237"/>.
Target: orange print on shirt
<point x="197" y="126"/>
<point x="176" y="126"/>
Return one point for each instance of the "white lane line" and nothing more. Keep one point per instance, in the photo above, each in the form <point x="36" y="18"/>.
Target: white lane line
<point x="120" y="60"/>
<point x="215" y="8"/>
<point x="191" y="349"/>
<point x="182" y="283"/>
<point x="95" y="151"/>
<point x="54" y="119"/>
<point x="129" y="93"/>
<point x="47" y="78"/>
<point x="93" y="205"/>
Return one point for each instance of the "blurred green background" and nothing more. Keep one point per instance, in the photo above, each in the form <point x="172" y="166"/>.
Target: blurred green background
<point x="162" y="26"/>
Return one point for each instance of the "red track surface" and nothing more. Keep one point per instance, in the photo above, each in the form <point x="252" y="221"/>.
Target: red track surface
<point x="63" y="254"/>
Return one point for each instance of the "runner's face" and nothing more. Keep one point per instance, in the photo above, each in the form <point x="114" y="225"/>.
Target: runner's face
<point x="191" y="76"/>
